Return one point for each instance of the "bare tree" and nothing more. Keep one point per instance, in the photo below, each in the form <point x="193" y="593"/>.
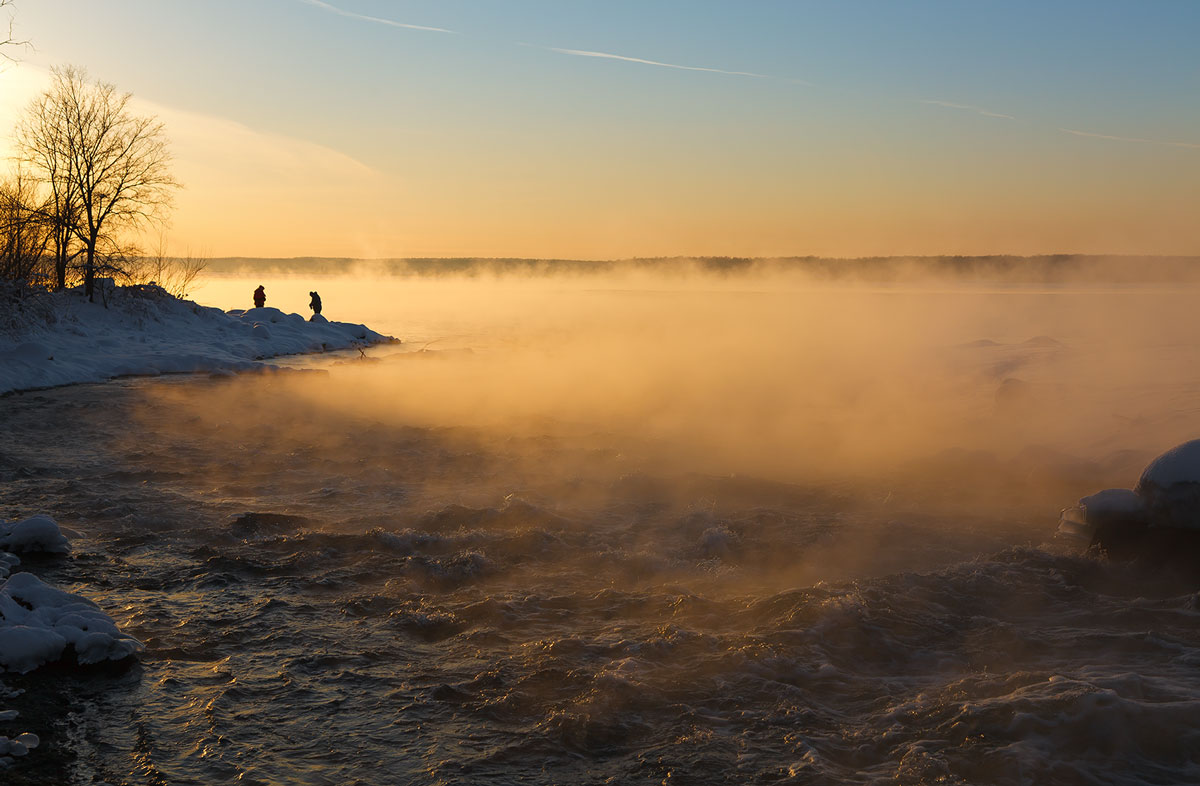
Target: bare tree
<point x="175" y="274"/>
<point x="43" y="141"/>
<point x="110" y="165"/>
<point x="24" y="233"/>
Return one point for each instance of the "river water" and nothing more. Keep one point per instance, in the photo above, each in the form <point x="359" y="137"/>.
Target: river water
<point x="535" y="552"/>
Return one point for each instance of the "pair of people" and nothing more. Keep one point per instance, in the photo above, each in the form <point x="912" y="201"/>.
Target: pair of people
<point x="260" y="299"/>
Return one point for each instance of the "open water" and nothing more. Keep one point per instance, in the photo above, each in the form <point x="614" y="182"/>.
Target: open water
<point x="331" y="596"/>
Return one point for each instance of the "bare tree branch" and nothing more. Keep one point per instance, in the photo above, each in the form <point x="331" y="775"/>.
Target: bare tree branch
<point x="9" y="40"/>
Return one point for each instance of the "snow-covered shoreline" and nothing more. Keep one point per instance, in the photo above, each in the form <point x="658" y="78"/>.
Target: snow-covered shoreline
<point x="53" y="339"/>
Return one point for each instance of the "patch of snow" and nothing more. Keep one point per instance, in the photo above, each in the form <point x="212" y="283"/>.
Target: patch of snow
<point x="60" y="338"/>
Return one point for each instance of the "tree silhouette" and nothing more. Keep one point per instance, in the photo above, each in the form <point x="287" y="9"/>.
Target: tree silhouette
<point x="107" y="168"/>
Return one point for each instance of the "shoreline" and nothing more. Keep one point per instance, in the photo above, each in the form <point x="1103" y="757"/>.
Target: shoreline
<point x="53" y="339"/>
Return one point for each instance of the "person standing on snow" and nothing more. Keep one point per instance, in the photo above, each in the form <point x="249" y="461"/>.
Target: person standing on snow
<point x="315" y="304"/>
<point x="260" y="296"/>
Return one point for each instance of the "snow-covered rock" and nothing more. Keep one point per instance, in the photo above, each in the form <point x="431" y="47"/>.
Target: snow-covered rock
<point x="20" y="745"/>
<point x="61" y="338"/>
<point x="1158" y="520"/>
<point x="36" y="533"/>
<point x="7" y="563"/>
<point x="1113" y="502"/>
<point x="38" y="624"/>
<point x="1170" y="487"/>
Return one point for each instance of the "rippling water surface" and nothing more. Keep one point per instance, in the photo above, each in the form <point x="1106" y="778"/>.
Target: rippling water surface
<point x="330" y="596"/>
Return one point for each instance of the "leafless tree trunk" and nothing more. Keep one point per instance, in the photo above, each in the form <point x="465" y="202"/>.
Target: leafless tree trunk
<point x="43" y="142"/>
<point x="107" y="168"/>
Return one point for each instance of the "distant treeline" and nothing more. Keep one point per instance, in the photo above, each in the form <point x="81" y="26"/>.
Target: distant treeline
<point x="1032" y="269"/>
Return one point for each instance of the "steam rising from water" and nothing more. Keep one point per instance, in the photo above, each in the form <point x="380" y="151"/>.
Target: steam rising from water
<point x="633" y="527"/>
<point x="780" y="376"/>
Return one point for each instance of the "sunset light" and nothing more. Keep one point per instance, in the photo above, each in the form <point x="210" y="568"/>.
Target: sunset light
<point x="480" y="393"/>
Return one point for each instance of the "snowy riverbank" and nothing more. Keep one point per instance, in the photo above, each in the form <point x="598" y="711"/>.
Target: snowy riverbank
<point x="55" y="339"/>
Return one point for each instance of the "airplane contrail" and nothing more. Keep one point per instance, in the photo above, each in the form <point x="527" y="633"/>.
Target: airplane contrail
<point x="377" y="19"/>
<point x="969" y="108"/>
<point x="608" y="56"/>
<point x="750" y="74"/>
<point x="1143" y="140"/>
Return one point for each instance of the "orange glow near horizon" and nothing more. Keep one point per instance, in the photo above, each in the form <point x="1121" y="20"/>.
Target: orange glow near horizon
<point x="264" y="194"/>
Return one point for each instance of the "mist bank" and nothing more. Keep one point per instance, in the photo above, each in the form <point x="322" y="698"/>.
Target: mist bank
<point x="1048" y="268"/>
<point x="1016" y="393"/>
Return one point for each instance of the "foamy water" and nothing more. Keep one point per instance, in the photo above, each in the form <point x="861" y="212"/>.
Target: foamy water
<point x="481" y="563"/>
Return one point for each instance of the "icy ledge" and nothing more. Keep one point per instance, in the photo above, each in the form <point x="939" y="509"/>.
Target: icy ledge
<point x="40" y="624"/>
<point x="50" y="339"/>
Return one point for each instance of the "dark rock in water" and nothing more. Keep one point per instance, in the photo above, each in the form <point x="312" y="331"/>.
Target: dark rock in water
<point x="253" y="524"/>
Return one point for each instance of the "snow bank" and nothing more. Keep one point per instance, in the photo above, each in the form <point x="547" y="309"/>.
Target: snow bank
<point x="61" y="339"/>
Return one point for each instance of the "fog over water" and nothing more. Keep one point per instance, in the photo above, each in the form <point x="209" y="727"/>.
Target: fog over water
<point x="776" y="375"/>
<point x="632" y="527"/>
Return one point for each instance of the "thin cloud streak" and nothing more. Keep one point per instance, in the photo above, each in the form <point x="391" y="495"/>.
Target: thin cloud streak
<point x="1093" y="135"/>
<point x="609" y="56"/>
<point x="378" y="20"/>
<point x="968" y="108"/>
<point x="324" y="6"/>
<point x="574" y="52"/>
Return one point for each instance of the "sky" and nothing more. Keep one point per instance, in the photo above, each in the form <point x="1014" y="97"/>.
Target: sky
<point x="621" y="128"/>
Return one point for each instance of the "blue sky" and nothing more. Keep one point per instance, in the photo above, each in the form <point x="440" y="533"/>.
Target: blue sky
<point x="853" y="127"/>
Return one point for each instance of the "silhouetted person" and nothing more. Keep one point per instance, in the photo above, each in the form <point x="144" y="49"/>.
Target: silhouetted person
<point x="315" y="304"/>
<point x="260" y="296"/>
